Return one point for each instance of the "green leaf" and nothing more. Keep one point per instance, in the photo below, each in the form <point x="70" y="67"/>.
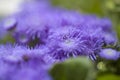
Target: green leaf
<point x="74" y="69"/>
<point x="7" y="39"/>
<point x="109" y="77"/>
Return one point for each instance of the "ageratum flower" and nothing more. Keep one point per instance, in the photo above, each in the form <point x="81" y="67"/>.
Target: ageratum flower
<point x="24" y="71"/>
<point x="28" y="73"/>
<point x="34" y="23"/>
<point x="69" y="41"/>
<point x="110" y="38"/>
<point x="12" y="54"/>
<point x="29" y="23"/>
<point x="105" y="24"/>
<point x="107" y="30"/>
<point x="21" y="53"/>
<point x="109" y="54"/>
<point x="6" y="71"/>
<point x="93" y="22"/>
<point x="19" y="61"/>
<point x="33" y="26"/>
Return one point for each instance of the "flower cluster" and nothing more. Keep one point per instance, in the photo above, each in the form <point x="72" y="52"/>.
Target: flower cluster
<point x="46" y="35"/>
<point x="19" y="61"/>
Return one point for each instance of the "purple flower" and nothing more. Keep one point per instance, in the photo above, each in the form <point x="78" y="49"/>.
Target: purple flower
<point x="95" y="23"/>
<point x="68" y="41"/>
<point x="105" y="24"/>
<point x="110" y="38"/>
<point x="19" y="61"/>
<point x="21" y="53"/>
<point x="28" y="73"/>
<point x="23" y="71"/>
<point x="33" y="26"/>
<point x="109" y="54"/>
<point x="31" y="22"/>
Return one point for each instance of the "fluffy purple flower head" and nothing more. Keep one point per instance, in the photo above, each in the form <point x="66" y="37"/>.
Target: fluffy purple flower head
<point x="29" y="73"/>
<point x="109" y="54"/>
<point x="33" y="26"/>
<point x="6" y="71"/>
<point x="21" y="53"/>
<point x="110" y="38"/>
<point x="30" y="22"/>
<point x="23" y="71"/>
<point x="18" y="61"/>
<point x="107" y="30"/>
<point x="104" y="24"/>
<point x="69" y="41"/>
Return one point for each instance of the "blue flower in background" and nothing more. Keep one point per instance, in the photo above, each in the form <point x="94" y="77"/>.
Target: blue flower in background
<point x="18" y="53"/>
<point x="109" y="54"/>
<point x="104" y="24"/>
<point x="110" y="38"/>
<point x="24" y="71"/>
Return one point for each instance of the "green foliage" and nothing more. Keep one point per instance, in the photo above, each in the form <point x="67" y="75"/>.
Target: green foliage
<point x="7" y="39"/>
<point x="86" y="6"/>
<point x="74" y="69"/>
<point x="109" y="77"/>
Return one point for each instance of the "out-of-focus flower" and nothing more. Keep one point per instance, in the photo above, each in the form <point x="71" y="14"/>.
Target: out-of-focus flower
<point x="110" y="38"/>
<point x="20" y="53"/>
<point x="107" y="32"/>
<point x="22" y="61"/>
<point x="24" y="71"/>
<point x="28" y="73"/>
<point x="35" y="23"/>
<point x="109" y="54"/>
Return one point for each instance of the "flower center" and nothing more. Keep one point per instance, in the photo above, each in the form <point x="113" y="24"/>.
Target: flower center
<point x="109" y="52"/>
<point x="68" y="44"/>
